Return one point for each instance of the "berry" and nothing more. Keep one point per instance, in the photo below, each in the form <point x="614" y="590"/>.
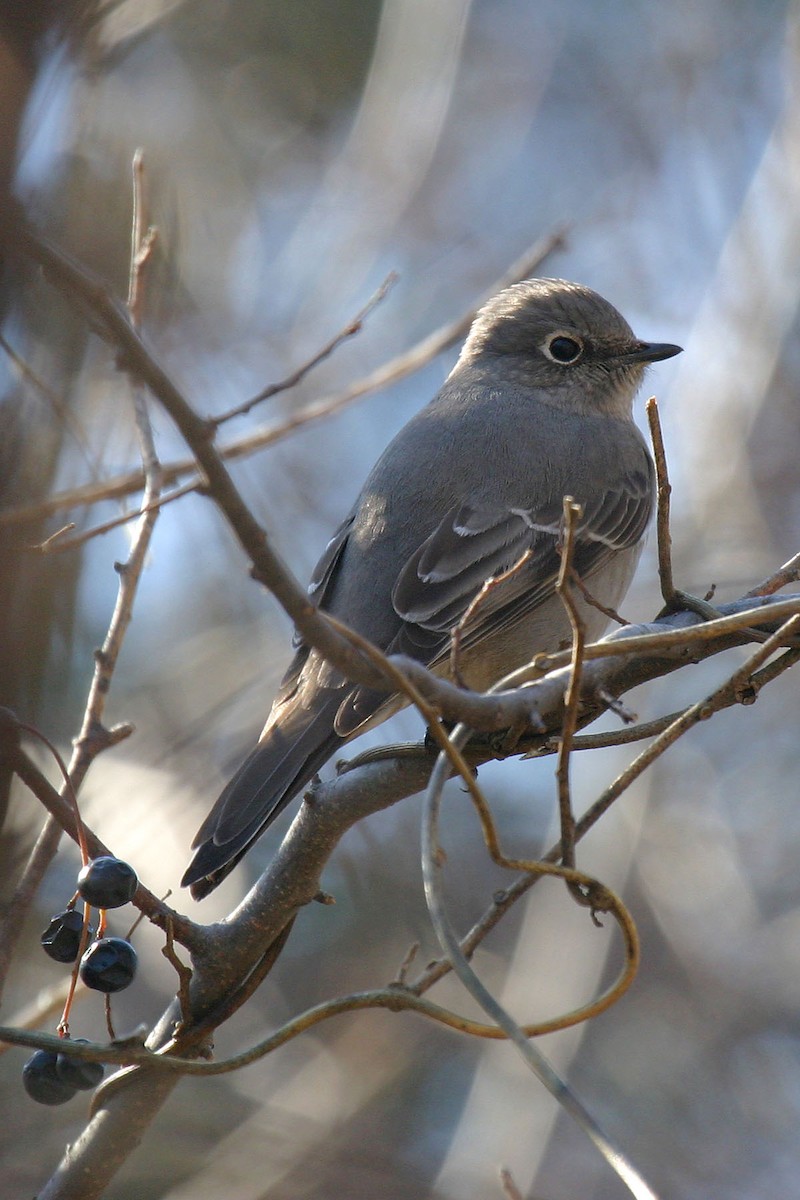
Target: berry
<point x="79" y="1073"/>
<point x="62" y="937"/>
<point x="109" y="965"/>
<point x="107" y="882"/>
<point x="41" y="1082"/>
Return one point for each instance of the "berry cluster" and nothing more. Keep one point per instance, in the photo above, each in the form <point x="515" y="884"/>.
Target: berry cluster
<point x="51" y="1078"/>
<point x="108" y="964"/>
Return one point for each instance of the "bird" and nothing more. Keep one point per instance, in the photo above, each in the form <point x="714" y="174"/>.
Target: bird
<point x="538" y="406"/>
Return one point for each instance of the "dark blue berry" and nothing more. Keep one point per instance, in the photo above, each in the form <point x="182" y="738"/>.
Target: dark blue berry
<point x="62" y="937"/>
<point x="79" y="1073"/>
<point x="41" y="1082"/>
<point x="109" y="965"/>
<point x="107" y="882"/>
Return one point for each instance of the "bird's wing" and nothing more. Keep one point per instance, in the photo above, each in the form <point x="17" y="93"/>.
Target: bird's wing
<point x="319" y="590"/>
<point x="325" y="570"/>
<point x="475" y="542"/>
<point x="440" y="581"/>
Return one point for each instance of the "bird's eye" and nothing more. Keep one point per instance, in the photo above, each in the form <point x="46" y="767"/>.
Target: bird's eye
<point x="563" y="349"/>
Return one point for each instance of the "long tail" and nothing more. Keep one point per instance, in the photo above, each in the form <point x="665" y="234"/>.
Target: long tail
<point x="288" y="756"/>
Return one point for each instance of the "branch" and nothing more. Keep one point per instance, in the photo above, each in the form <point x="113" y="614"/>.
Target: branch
<point x="395" y="370"/>
<point x="63" y="818"/>
<point x="734" y="691"/>
<point x="94" y="737"/>
<point x="433" y="859"/>
<point x="572" y="694"/>
<point x="292" y="880"/>
<point x="351" y="328"/>
<point x="228" y="957"/>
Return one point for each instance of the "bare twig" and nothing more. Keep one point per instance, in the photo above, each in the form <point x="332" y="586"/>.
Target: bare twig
<point x="408" y="997"/>
<point x="43" y="1008"/>
<point x="788" y="573"/>
<point x="585" y="889"/>
<point x="738" y="687"/>
<point x="531" y="1055"/>
<point x="183" y="972"/>
<point x="510" y="1189"/>
<point x="611" y="613"/>
<point x="623" y="737"/>
<point x="405" y="965"/>
<point x="93" y="736"/>
<point x="664" y="491"/>
<point x="69" y="790"/>
<point x="723" y="698"/>
<point x="63" y="818"/>
<point x="673" y="597"/>
<point x="398" y="681"/>
<point x="457" y="632"/>
<point x="58" y="405"/>
<point x="571" y="514"/>
<point x="143" y="241"/>
<point x="630" y="642"/>
<point x="336" y="807"/>
<point x="396" y="369"/>
<point x="58" y="543"/>
<point x="352" y="327"/>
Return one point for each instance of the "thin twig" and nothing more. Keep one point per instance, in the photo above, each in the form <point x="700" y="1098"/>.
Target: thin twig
<point x="399" y="682"/>
<point x="94" y="737"/>
<point x="352" y="327"/>
<point x="489" y="585"/>
<point x="673" y="597"/>
<point x="143" y="241"/>
<point x="63" y="818"/>
<point x="396" y="369"/>
<point x="663" y="493"/>
<point x="502" y="901"/>
<point x="58" y="543"/>
<point x="701" y="711"/>
<point x="572" y="513"/>
<point x="405" y="966"/>
<point x="623" y="737"/>
<point x="591" y="600"/>
<point x="44" y="1007"/>
<point x="788" y="573"/>
<point x="59" y="407"/>
<point x="183" y="972"/>
<point x="510" y="1189"/>
<point x="654" y="643"/>
<point x="531" y="1055"/>
<point x="396" y="1000"/>
<point x="587" y="890"/>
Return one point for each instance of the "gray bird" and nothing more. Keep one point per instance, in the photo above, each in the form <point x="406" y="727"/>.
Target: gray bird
<point x="538" y="406"/>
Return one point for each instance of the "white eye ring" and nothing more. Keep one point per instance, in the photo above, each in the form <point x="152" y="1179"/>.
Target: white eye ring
<point x="562" y="348"/>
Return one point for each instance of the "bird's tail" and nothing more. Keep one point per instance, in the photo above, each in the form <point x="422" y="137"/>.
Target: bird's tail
<point x="289" y="754"/>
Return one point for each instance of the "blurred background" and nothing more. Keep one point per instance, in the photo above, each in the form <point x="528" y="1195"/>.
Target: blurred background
<point x="295" y="154"/>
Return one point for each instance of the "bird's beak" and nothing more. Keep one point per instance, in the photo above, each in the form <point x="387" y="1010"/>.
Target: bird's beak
<point x="647" y="352"/>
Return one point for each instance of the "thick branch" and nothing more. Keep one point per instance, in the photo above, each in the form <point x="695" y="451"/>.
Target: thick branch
<point x="235" y="947"/>
<point x="227" y="955"/>
<point x="293" y="877"/>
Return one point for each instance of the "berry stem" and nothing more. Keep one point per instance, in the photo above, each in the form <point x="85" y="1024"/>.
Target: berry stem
<point x="63" y="1025"/>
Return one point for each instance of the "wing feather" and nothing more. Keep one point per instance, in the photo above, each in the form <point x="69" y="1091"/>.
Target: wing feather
<point x="474" y="543"/>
